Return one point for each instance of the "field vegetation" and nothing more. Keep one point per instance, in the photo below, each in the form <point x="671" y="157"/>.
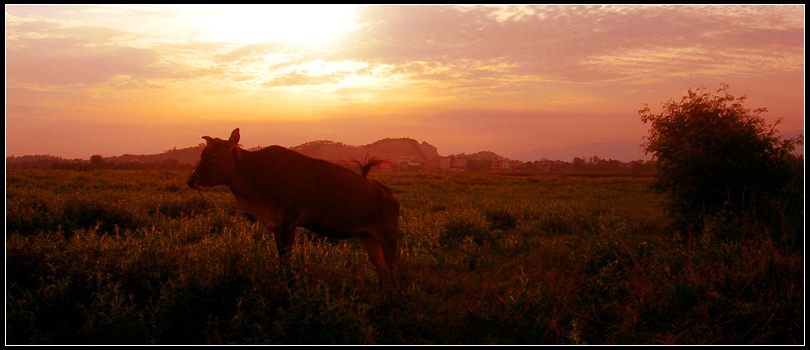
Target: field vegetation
<point x="105" y="256"/>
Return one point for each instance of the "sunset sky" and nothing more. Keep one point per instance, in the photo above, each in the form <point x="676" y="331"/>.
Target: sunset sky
<point x="143" y="79"/>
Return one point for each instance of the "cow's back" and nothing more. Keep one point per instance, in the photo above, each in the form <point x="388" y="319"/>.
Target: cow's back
<point x="321" y="195"/>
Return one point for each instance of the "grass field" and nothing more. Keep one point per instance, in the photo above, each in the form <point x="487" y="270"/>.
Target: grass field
<point x="135" y="257"/>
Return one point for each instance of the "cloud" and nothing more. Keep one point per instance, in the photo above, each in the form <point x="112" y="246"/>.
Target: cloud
<point x="562" y="43"/>
<point x="44" y="53"/>
<point x="511" y="50"/>
<point x="67" y="62"/>
<point x="157" y="62"/>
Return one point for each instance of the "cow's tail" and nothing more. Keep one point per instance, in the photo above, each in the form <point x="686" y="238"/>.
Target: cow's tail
<point x="370" y="163"/>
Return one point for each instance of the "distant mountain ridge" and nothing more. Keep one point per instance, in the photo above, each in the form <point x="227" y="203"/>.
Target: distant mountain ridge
<point x="395" y="149"/>
<point x="190" y="155"/>
<point x="391" y="148"/>
<point x="408" y="148"/>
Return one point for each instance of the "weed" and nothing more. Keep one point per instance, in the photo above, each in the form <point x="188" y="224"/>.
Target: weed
<point x="129" y="257"/>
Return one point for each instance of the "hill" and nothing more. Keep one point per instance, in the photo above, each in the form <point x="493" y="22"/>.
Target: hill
<point x="396" y="149"/>
<point x="390" y="148"/>
<point x="183" y="156"/>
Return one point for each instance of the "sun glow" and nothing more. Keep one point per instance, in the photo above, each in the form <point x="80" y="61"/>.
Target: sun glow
<point x="299" y="24"/>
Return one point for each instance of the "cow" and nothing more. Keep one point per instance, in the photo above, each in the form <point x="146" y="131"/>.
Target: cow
<point x="284" y="189"/>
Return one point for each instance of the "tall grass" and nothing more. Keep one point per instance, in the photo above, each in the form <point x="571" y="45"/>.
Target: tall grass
<point x="134" y="257"/>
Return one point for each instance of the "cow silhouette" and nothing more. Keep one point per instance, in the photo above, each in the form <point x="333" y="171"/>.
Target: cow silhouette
<point x="285" y="189"/>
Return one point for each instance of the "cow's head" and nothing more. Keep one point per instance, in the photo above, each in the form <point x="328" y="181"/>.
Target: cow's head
<point x="217" y="162"/>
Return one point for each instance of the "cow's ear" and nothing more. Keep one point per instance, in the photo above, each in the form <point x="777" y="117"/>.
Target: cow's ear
<point x="234" y="137"/>
<point x="208" y="139"/>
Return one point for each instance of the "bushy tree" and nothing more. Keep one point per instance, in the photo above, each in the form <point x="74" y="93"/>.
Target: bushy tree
<point x="719" y="162"/>
<point x="97" y="161"/>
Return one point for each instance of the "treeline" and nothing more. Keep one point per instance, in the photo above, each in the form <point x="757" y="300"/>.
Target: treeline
<point x="474" y="163"/>
<point x="95" y="162"/>
<point x="595" y="165"/>
<point x="487" y="162"/>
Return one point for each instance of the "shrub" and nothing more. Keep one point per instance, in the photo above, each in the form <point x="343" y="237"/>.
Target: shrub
<point x="458" y="229"/>
<point x="500" y="219"/>
<point x="715" y="158"/>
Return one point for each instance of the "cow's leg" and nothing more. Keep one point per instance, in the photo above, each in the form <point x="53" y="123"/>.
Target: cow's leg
<point x="284" y="235"/>
<point x="285" y="239"/>
<point x="387" y="241"/>
<point x="375" y="253"/>
<point x="389" y="248"/>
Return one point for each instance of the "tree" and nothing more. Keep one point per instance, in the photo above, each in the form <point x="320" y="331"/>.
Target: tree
<point x="719" y="161"/>
<point x="97" y="161"/>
